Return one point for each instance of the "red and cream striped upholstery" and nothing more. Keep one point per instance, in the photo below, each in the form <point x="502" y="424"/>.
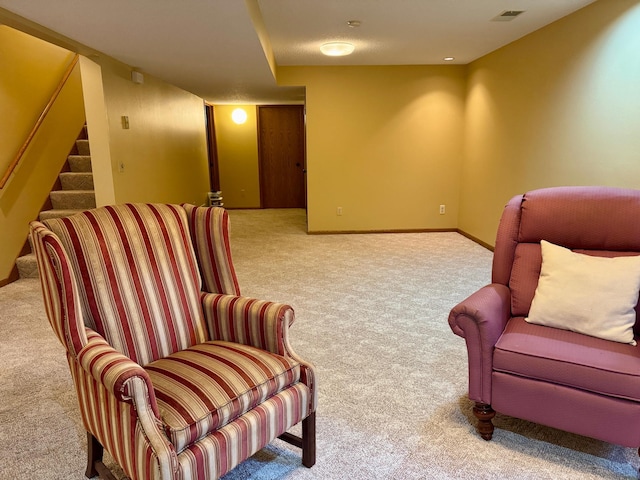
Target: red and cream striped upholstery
<point x="245" y="436"/>
<point x="210" y="235"/>
<point x="173" y="381"/>
<point x="203" y="388"/>
<point x="231" y="318"/>
<point x="116" y="398"/>
<point x="140" y="282"/>
<point x="59" y="289"/>
<point x="262" y="324"/>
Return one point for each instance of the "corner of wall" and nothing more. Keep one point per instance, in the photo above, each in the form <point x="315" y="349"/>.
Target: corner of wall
<point x="98" y="131"/>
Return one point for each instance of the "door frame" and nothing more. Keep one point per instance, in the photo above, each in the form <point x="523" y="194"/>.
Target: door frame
<point x="212" y="148"/>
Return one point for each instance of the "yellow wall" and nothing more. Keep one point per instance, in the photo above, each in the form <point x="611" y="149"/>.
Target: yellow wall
<point x="238" y="157"/>
<point x="162" y="157"/>
<point x="390" y="144"/>
<point x="39" y="67"/>
<point x="164" y="152"/>
<point x="383" y="143"/>
<point x="30" y="72"/>
<point x="558" y="107"/>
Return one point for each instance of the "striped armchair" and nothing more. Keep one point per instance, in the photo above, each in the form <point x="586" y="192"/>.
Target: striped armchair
<point x="177" y="375"/>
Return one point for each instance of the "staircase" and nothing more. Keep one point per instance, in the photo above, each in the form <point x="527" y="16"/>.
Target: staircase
<point x="72" y="193"/>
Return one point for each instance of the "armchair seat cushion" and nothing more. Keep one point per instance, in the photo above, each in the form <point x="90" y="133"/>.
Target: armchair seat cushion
<point x="202" y="388"/>
<point x="568" y="358"/>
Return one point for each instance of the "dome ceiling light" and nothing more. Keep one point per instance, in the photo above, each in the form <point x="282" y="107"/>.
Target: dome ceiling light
<point x="337" y="49"/>
<point x="340" y="49"/>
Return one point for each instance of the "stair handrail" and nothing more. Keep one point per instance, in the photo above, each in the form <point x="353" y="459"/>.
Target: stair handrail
<point x="36" y="127"/>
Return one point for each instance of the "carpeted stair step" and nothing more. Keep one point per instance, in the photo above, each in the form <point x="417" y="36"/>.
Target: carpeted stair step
<point x="73" y="199"/>
<point x="47" y="214"/>
<point x="27" y="266"/>
<point x="83" y="147"/>
<point x="76" y="196"/>
<point x="79" y="163"/>
<point x="76" y="180"/>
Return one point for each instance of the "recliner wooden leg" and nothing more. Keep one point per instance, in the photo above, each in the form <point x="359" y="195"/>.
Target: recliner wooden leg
<point x="484" y="413"/>
<point x="309" y="441"/>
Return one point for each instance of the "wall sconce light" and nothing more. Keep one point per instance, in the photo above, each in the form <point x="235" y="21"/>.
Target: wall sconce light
<point x="239" y="116"/>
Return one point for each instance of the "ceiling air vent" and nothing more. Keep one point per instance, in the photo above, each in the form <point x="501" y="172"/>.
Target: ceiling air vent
<point x="507" y="15"/>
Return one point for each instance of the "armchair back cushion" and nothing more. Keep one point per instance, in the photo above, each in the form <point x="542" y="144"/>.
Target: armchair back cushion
<point x="142" y="295"/>
<point x="591" y="220"/>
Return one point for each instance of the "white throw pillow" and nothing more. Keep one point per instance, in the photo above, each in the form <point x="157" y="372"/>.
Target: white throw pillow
<point x="586" y="294"/>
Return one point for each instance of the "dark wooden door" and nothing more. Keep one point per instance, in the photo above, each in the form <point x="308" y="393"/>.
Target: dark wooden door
<point x="281" y="151"/>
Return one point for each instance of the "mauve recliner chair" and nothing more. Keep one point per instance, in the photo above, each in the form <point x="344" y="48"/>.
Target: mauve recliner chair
<point x="556" y="377"/>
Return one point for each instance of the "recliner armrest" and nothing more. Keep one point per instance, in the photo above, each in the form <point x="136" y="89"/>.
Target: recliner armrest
<point x="480" y="320"/>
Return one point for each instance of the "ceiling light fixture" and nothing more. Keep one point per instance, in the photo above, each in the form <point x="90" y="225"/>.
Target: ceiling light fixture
<point x="354" y="23"/>
<point x="449" y="59"/>
<point x="337" y="49"/>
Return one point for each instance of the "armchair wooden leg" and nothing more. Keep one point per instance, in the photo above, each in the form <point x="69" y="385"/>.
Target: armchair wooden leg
<point x="95" y="467"/>
<point x="94" y="454"/>
<point x="484" y="413"/>
<point x="308" y="441"/>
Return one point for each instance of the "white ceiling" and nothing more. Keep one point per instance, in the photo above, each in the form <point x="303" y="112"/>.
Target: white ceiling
<point x="212" y="49"/>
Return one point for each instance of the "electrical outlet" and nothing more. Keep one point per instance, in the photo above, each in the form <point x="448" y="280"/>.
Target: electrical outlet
<point x="339" y="211"/>
<point x="442" y="209"/>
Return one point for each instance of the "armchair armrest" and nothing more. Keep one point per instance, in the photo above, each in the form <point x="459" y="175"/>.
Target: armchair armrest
<point x="480" y="320"/>
<point x="104" y="372"/>
<point x="113" y="370"/>
<point x="257" y="323"/>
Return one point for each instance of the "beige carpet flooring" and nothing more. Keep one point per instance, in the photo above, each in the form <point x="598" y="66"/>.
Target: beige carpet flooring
<point x="372" y="316"/>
